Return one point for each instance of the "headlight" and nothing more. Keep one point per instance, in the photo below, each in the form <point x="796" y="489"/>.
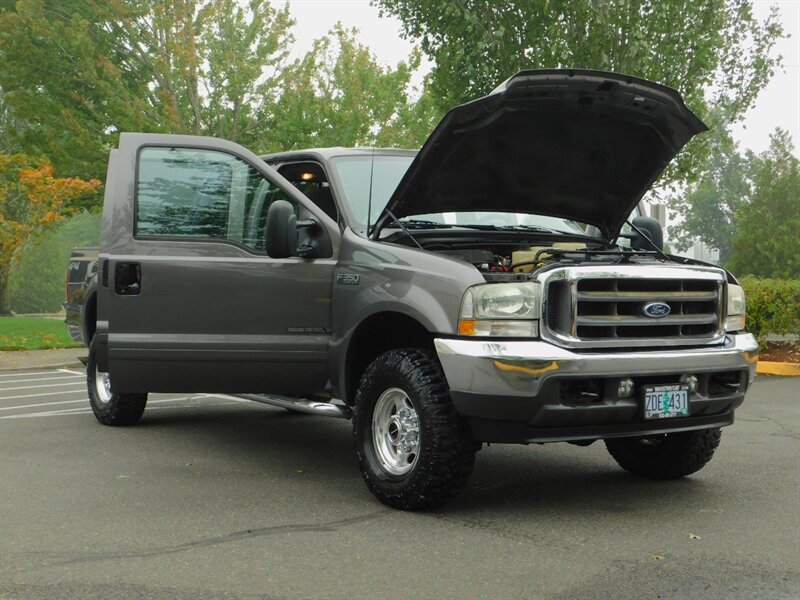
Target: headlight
<point x="501" y="309"/>
<point x="734" y="320"/>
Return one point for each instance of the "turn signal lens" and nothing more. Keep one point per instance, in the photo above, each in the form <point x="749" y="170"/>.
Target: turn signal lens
<point x="735" y="323"/>
<point x="737" y="309"/>
<point x="466" y="327"/>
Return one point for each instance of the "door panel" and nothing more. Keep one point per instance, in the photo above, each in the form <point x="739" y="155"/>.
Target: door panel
<point x="199" y="306"/>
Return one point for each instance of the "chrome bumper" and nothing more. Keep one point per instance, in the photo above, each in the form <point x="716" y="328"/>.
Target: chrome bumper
<point x="519" y="368"/>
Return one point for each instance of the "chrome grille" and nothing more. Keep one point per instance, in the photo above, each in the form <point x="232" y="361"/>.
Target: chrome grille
<point x="595" y="307"/>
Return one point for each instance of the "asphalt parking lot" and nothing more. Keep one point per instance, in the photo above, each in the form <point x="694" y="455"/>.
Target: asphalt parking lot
<point x="211" y="497"/>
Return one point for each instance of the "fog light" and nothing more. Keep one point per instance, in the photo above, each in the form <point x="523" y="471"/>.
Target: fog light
<point x="689" y="380"/>
<point x="625" y="388"/>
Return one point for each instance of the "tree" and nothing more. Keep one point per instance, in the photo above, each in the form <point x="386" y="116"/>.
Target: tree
<point x="710" y="205"/>
<point x="74" y="73"/>
<point x="714" y="52"/>
<point x="767" y="240"/>
<point x="338" y="94"/>
<point x="414" y="121"/>
<point x="36" y="281"/>
<point x="32" y="200"/>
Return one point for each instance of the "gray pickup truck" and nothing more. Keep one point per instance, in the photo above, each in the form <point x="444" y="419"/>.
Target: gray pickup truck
<point x="492" y="287"/>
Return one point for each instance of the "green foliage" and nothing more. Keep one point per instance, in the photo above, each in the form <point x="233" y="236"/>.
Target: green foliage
<point x="36" y="281"/>
<point x="34" y="333"/>
<point x="413" y="123"/>
<point x="773" y="306"/>
<point x="31" y="202"/>
<point x="339" y="95"/>
<point x="714" y="52"/>
<point x="767" y="239"/>
<point x="74" y="73"/>
<point x="710" y="205"/>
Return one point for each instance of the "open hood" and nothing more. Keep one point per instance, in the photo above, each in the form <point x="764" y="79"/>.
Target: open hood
<point x="576" y="144"/>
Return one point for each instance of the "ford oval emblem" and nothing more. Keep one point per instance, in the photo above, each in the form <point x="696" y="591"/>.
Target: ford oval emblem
<point x="656" y="310"/>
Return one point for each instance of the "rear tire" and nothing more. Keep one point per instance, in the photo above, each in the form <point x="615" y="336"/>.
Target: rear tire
<point x="111" y="408"/>
<point x="414" y="450"/>
<point x="667" y="456"/>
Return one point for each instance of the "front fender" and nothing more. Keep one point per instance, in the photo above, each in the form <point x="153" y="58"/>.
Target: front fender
<point x="375" y="277"/>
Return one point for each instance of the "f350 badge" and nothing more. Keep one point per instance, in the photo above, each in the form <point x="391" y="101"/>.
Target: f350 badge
<point x="348" y="278"/>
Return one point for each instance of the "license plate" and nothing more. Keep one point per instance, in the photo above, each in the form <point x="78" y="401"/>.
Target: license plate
<point x="666" y="401"/>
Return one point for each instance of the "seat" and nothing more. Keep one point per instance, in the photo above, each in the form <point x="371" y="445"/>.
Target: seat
<point x="322" y="197"/>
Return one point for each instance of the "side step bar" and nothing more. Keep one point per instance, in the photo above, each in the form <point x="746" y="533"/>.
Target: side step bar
<point x="313" y="407"/>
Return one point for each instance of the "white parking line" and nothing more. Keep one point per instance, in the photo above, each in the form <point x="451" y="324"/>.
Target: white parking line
<point x="87" y="411"/>
<point x="86" y="399"/>
<point x="26" y="374"/>
<point x="56" y="393"/>
<point x="35" y="387"/>
<point x="51" y="413"/>
<point x="196" y="397"/>
<point x="40" y="375"/>
<point x="42" y="404"/>
<point x="59" y="377"/>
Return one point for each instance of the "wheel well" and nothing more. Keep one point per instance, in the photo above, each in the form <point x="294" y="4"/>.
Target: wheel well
<point x="90" y="319"/>
<point x="376" y="335"/>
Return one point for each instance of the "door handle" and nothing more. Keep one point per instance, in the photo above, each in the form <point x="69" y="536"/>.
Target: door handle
<point x="127" y="278"/>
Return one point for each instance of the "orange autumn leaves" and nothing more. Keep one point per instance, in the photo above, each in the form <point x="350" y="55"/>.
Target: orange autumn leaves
<point x="32" y="200"/>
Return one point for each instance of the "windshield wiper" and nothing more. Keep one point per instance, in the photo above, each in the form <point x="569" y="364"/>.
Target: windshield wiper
<point x="532" y="228"/>
<point x="420" y="224"/>
<point x="528" y="228"/>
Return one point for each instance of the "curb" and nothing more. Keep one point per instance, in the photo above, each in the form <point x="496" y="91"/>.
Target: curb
<point x="764" y="367"/>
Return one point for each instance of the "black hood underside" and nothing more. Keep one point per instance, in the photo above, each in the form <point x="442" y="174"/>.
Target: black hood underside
<point x="582" y="145"/>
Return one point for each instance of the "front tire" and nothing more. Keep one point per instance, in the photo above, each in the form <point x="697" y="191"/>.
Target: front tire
<point x="414" y="450"/>
<point x="667" y="456"/>
<point x="111" y="408"/>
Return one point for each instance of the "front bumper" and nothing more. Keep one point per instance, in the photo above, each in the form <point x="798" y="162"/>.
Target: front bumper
<point x="533" y="391"/>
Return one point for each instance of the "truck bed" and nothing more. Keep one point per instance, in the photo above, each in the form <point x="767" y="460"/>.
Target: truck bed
<point x="81" y="280"/>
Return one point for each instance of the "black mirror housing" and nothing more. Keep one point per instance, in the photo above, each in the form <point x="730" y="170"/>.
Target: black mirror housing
<point x="652" y="229"/>
<point x="284" y="231"/>
<point x="281" y="230"/>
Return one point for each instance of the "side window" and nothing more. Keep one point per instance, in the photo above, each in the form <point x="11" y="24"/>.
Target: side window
<point x="201" y="194"/>
<point x="309" y="177"/>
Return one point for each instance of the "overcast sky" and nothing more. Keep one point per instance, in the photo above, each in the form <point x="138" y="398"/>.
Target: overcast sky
<point x="777" y="106"/>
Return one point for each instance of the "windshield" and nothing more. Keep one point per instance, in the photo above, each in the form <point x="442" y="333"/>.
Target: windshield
<point x="355" y="172"/>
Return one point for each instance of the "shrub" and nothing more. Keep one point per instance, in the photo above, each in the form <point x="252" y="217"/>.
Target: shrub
<point x="36" y="281"/>
<point x="773" y="306"/>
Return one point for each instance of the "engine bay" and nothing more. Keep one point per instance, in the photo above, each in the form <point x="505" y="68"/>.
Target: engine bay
<point x="518" y="264"/>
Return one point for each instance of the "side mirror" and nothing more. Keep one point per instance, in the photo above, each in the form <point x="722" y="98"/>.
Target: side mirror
<point x="282" y="234"/>
<point x="652" y="229"/>
<point x="281" y="230"/>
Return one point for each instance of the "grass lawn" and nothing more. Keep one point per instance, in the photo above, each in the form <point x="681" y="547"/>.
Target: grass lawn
<point x="34" y="333"/>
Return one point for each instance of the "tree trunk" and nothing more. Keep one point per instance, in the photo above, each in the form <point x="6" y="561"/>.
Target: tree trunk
<point x="5" y="307"/>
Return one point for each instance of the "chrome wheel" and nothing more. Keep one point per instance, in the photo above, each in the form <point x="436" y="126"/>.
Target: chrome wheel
<point x="414" y="450"/>
<point x="395" y="432"/>
<point x="118" y="408"/>
<point x="102" y="385"/>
